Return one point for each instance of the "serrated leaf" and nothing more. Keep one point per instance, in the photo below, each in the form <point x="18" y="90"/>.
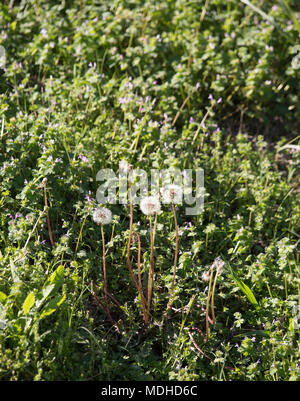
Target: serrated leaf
<point x="28" y="303"/>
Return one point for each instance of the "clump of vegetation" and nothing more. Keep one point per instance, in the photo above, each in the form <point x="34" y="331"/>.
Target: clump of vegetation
<point x="208" y="85"/>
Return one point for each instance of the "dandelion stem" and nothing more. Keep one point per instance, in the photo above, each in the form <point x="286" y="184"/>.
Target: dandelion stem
<point x="104" y="277"/>
<point x="207" y="306"/>
<point x="36" y="223"/>
<point x="129" y="241"/>
<point x="151" y="268"/>
<point x="143" y="301"/>
<point x="175" y="257"/>
<point x="154" y="229"/>
<point x="47" y="214"/>
<point x="137" y="285"/>
<point x="212" y="298"/>
<point x="80" y="235"/>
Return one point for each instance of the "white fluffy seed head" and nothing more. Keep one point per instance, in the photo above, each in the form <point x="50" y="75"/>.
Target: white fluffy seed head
<point x="218" y="264"/>
<point x="150" y="205"/>
<point x="206" y="276"/>
<point x="124" y="166"/>
<point x="172" y="194"/>
<point x="102" y="215"/>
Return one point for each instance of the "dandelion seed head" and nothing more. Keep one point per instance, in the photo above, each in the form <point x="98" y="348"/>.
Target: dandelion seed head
<point x="124" y="166"/>
<point x="172" y="193"/>
<point x="218" y="264"/>
<point x="102" y="215"/>
<point x="206" y="276"/>
<point x="150" y="205"/>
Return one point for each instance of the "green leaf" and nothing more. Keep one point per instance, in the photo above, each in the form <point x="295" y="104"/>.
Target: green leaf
<point x="14" y="273"/>
<point x="52" y="306"/>
<point x="47" y="291"/>
<point x="292" y="325"/>
<point x="28" y="303"/>
<point x="244" y="288"/>
<point x="56" y="278"/>
<point x="2" y="297"/>
<point x="42" y="296"/>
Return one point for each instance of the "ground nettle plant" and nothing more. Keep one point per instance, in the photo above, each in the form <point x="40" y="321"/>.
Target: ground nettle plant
<point x="208" y="85"/>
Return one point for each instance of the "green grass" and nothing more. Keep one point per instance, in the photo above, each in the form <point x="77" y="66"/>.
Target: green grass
<point x="162" y="85"/>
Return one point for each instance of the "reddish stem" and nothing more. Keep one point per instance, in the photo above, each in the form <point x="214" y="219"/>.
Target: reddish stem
<point x="105" y="278"/>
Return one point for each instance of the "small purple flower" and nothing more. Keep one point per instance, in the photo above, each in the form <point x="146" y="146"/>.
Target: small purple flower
<point x="210" y="97"/>
<point x="83" y="158"/>
<point x="256" y="363"/>
<point x="44" y="33"/>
